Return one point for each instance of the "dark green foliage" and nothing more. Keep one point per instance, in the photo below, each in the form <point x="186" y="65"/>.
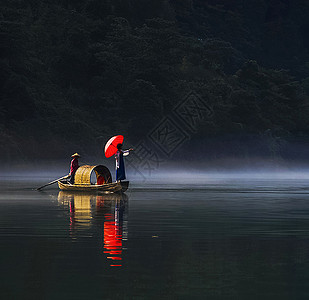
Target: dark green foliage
<point x="73" y="73"/>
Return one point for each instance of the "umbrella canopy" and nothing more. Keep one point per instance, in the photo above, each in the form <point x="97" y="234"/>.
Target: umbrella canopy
<point x="111" y="145"/>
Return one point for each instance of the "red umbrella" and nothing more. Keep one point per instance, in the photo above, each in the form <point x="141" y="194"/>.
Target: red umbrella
<point x="111" y="145"/>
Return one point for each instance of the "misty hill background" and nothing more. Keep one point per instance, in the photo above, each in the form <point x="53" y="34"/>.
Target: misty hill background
<point x="74" y="73"/>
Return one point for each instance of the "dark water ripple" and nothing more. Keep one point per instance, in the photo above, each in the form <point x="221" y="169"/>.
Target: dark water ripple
<point x="222" y="239"/>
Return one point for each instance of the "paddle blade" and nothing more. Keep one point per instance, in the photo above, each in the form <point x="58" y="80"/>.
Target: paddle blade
<point x="52" y="182"/>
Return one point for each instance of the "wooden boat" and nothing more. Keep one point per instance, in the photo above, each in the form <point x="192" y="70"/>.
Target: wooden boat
<point x="113" y="187"/>
<point x="84" y="176"/>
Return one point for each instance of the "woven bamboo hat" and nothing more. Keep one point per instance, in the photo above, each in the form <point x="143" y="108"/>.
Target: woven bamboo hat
<point x="75" y="155"/>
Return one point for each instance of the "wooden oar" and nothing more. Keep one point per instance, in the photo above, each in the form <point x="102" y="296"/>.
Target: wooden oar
<point x="52" y="182"/>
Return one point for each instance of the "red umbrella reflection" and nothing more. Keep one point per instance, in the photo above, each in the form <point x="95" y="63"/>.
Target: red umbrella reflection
<point x="112" y="239"/>
<point x="113" y="233"/>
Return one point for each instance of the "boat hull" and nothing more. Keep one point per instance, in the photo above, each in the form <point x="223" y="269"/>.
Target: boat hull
<point x="114" y="187"/>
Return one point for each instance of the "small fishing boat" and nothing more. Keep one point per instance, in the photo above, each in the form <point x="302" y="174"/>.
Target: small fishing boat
<point x="93" y="178"/>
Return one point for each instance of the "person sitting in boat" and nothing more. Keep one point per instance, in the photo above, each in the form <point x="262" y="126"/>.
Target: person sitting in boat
<point x="74" y="166"/>
<point x="120" y="170"/>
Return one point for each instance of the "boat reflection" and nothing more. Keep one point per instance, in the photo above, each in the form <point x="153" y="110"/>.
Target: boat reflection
<point x="106" y="210"/>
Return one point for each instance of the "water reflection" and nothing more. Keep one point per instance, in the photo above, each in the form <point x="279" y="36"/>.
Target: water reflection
<point x="108" y="211"/>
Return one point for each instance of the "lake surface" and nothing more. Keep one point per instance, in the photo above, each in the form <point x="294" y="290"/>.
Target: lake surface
<point x="225" y="238"/>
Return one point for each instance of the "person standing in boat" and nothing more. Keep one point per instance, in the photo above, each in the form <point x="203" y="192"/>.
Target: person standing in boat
<point x="74" y="166"/>
<point x="120" y="170"/>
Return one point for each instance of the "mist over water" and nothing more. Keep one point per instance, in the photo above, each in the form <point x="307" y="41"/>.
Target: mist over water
<point x="169" y="172"/>
<point x="180" y="232"/>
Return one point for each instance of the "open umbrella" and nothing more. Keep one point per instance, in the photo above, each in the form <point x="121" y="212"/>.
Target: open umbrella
<point x="111" y="145"/>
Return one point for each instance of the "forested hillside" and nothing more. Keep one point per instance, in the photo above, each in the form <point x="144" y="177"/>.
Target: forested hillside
<point x="74" y="73"/>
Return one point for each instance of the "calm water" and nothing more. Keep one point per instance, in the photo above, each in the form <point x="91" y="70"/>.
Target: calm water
<point x="217" y="239"/>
